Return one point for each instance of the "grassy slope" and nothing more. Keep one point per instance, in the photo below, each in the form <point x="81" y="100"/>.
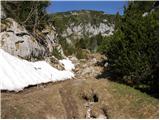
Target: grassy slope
<point x="133" y="102"/>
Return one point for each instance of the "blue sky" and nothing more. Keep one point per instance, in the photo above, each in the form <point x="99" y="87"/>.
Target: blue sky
<point x="109" y="7"/>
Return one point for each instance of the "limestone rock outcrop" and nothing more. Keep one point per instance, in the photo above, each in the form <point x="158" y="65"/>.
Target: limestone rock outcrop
<point x="16" y="40"/>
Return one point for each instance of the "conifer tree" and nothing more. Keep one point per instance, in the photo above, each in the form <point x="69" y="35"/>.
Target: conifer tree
<point x="133" y="49"/>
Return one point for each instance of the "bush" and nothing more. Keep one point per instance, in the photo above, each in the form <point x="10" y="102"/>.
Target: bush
<point x="31" y="14"/>
<point x="57" y="54"/>
<point x="81" y="54"/>
<point x="104" y="45"/>
<point x="133" y="50"/>
<point x="68" y="49"/>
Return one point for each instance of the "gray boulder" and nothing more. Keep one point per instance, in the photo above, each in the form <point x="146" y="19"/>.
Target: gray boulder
<point x="17" y="41"/>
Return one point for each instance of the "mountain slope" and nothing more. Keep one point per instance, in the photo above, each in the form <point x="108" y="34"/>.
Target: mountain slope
<point x="81" y="97"/>
<point x="82" y="29"/>
<point x="77" y="20"/>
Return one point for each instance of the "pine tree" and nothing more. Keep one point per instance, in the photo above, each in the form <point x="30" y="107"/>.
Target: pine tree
<point x="133" y="50"/>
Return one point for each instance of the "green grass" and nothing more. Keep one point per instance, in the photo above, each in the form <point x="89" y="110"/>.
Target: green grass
<point x="128" y="99"/>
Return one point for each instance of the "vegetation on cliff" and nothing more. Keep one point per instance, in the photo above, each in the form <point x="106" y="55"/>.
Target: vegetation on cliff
<point x="31" y="14"/>
<point x="62" y="20"/>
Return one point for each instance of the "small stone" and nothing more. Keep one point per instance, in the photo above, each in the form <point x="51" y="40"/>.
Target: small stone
<point x="106" y="64"/>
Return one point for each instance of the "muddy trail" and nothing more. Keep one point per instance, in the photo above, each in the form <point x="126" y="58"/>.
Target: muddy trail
<point x="84" y="96"/>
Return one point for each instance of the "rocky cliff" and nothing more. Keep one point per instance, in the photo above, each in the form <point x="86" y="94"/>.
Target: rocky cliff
<point x="81" y="24"/>
<point x="69" y="26"/>
<point x="16" y="40"/>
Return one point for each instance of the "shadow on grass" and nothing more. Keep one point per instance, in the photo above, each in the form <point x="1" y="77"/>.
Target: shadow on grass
<point x="152" y="91"/>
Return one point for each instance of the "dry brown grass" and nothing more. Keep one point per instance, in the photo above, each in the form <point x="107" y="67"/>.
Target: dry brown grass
<point x="66" y="100"/>
<point x="69" y="99"/>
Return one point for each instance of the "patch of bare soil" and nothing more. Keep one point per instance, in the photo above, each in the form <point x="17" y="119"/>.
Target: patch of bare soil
<point x="82" y="97"/>
<point x="69" y="103"/>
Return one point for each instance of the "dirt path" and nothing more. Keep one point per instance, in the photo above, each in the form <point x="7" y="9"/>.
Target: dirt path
<point x="82" y="97"/>
<point x="69" y="103"/>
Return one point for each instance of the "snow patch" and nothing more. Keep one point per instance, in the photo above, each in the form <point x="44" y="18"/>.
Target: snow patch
<point x="68" y="65"/>
<point x="16" y="74"/>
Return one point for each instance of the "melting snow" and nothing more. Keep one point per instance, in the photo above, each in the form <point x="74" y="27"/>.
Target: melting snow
<point x="68" y="65"/>
<point x="15" y="73"/>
